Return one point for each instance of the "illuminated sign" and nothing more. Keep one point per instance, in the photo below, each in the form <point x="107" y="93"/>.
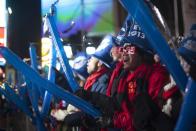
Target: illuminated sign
<point x="93" y="16"/>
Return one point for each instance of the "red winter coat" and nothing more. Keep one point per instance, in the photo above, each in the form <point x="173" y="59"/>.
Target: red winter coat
<point x="156" y="77"/>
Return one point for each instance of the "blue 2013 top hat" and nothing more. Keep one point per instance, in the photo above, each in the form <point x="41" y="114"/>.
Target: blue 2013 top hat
<point x="132" y="33"/>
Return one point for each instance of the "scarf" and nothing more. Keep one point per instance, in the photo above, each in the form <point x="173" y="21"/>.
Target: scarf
<point x="93" y="77"/>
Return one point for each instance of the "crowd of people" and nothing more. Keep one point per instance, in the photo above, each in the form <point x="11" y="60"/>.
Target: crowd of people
<point x="126" y="80"/>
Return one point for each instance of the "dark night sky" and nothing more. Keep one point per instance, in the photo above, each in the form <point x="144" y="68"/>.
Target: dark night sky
<point x="24" y="25"/>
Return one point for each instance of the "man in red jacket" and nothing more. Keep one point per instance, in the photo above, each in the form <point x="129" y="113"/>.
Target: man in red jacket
<point x="137" y="87"/>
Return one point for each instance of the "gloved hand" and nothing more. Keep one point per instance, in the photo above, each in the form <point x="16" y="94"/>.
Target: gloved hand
<point x="80" y="119"/>
<point x="59" y="114"/>
<point x="89" y="122"/>
<point x="104" y="122"/>
<point x="74" y="119"/>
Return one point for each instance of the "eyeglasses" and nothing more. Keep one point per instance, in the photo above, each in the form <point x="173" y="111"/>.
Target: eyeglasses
<point x="128" y="49"/>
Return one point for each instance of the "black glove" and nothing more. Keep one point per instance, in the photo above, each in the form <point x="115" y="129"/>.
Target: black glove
<point x="74" y="119"/>
<point x="104" y="122"/>
<point x="89" y="122"/>
<point x="80" y="119"/>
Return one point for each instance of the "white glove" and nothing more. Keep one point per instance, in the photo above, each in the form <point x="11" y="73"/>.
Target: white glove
<point x="59" y="114"/>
